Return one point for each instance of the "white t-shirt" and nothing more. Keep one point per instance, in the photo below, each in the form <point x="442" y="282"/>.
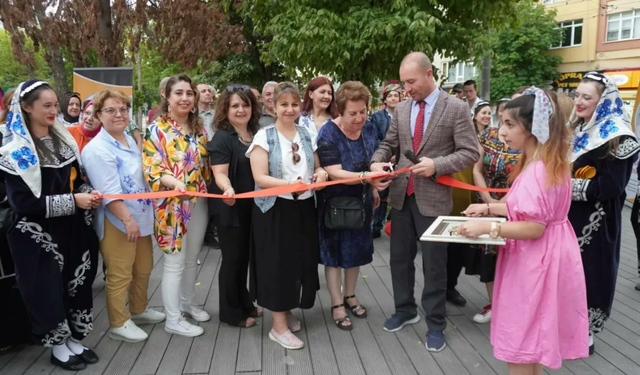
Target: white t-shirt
<point x="290" y="171"/>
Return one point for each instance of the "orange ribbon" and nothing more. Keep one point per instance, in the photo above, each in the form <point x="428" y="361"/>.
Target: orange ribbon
<point x="293" y="188"/>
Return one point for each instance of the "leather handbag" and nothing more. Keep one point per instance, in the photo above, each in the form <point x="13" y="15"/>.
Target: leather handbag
<point x="345" y="213"/>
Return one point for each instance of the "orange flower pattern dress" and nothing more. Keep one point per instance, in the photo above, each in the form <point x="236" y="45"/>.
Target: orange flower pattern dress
<point x="170" y="151"/>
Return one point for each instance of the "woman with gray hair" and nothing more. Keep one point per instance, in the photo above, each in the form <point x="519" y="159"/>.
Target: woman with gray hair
<point x="269" y="106"/>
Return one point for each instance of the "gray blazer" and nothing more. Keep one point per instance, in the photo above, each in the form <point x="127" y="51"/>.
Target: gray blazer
<point x="450" y="140"/>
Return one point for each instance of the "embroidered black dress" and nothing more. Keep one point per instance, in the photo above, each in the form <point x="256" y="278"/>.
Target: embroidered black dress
<point x="596" y="217"/>
<point x="54" y="248"/>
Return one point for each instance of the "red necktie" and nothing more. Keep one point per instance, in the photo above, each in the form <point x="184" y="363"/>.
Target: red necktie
<point x="417" y="139"/>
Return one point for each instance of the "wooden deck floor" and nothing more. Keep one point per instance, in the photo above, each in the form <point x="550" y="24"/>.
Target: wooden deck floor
<point x="365" y="350"/>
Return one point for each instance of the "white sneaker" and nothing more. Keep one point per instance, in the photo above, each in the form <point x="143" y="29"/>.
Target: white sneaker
<point x="287" y="340"/>
<point x="149" y="316"/>
<point x="196" y="313"/>
<point x="293" y="324"/>
<point x="183" y="328"/>
<point x="129" y="332"/>
<point x="483" y="316"/>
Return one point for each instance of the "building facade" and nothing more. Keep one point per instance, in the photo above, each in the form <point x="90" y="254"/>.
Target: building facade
<point x="599" y="35"/>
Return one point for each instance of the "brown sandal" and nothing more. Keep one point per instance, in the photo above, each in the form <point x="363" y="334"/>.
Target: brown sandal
<point x="340" y="323"/>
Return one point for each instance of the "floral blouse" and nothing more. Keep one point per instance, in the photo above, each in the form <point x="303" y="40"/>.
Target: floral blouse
<point x="169" y="150"/>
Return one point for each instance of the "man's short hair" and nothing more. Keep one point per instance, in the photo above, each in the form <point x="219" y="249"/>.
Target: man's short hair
<point x="269" y="84"/>
<point x="470" y="82"/>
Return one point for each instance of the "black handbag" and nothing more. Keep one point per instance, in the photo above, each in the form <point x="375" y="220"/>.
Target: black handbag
<point x="345" y="213"/>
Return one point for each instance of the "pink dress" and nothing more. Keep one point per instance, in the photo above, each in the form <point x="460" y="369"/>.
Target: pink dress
<point x="539" y="296"/>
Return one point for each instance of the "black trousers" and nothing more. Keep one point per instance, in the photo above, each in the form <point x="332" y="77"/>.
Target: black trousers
<point x="457" y="253"/>
<point x="408" y="226"/>
<point x="635" y="224"/>
<point x="234" y="301"/>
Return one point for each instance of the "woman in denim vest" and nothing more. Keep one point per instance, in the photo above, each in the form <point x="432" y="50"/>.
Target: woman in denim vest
<point x="284" y="263"/>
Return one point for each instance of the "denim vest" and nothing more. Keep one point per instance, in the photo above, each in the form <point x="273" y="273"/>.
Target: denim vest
<point x="275" y="161"/>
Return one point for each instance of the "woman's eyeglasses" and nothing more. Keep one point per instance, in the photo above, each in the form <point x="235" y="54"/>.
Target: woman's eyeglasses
<point x="232" y="89"/>
<point x="294" y="150"/>
<point x="113" y="111"/>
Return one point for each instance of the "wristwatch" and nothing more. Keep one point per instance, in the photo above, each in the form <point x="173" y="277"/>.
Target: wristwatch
<point x="495" y="230"/>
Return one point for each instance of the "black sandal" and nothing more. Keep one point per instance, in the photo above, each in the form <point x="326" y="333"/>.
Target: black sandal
<point x="256" y="313"/>
<point x="340" y="323"/>
<point x="243" y="323"/>
<point x="355" y="308"/>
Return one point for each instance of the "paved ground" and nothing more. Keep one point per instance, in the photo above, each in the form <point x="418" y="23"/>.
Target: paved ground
<point x="365" y="350"/>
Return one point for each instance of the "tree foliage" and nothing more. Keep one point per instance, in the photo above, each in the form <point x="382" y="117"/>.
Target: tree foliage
<point x="521" y="53"/>
<point x="12" y="72"/>
<point x="366" y="40"/>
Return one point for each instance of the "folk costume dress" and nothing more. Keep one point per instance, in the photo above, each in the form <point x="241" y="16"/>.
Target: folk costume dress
<point x="52" y="241"/>
<point x="600" y="178"/>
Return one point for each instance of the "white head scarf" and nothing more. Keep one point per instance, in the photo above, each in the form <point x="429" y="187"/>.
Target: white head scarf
<point x="609" y="121"/>
<point x="18" y="155"/>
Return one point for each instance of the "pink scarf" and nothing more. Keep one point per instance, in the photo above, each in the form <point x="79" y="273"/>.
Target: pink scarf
<point x="88" y="133"/>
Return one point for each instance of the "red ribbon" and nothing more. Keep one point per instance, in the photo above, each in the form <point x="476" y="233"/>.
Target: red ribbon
<point x="294" y="188"/>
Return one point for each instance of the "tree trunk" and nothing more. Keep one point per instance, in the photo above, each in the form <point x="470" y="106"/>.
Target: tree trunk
<point x="56" y="62"/>
<point x="105" y="35"/>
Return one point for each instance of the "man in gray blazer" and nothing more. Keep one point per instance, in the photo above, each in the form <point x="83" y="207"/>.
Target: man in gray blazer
<point x="445" y="142"/>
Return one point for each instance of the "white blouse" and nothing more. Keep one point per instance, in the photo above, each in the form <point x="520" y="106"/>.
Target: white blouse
<point x="290" y="171"/>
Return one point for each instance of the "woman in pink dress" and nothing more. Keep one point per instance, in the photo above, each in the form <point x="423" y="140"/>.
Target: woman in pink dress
<point x="540" y="304"/>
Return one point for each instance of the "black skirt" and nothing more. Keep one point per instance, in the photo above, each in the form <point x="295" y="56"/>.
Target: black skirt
<point x="284" y="255"/>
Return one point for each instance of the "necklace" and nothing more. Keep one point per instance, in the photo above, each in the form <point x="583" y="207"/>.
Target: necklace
<point x="244" y="141"/>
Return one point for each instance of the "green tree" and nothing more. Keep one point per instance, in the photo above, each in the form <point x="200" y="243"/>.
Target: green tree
<point x="366" y="40"/>
<point x="12" y="72"/>
<point x="521" y="55"/>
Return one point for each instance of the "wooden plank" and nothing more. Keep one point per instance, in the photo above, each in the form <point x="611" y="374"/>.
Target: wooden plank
<point x="423" y="362"/>
<point x="5" y="358"/>
<point x="346" y="354"/>
<point x="206" y="276"/>
<point x="23" y="360"/>
<point x="201" y="354"/>
<point x="446" y="360"/>
<point x="226" y="351"/>
<point x="272" y="353"/>
<point x="176" y="354"/>
<point x="127" y="354"/>
<point x="323" y="358"/>
<point x="601" y="365"/>
<point x="152" y="352"/>
<point x="250" y="349"/>
<point x="299" y="361"/>
<point x="479" y="341"/>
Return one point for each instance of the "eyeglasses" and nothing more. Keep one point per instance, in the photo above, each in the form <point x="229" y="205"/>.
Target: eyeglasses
<point x="112" y="111"/>
<point x="294" y="150"/>
<point x="232" y="89"/>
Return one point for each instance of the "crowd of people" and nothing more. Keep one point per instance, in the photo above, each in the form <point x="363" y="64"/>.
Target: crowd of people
<point x="65" y="177"/>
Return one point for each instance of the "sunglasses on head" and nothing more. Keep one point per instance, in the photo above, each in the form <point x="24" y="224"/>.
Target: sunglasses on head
<point x="232" y="89"/>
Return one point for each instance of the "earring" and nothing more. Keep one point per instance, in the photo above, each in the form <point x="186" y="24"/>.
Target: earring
<point x="193" y="110"/>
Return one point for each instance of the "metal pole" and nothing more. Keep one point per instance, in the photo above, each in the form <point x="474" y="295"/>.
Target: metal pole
<point x="485" y="79"/>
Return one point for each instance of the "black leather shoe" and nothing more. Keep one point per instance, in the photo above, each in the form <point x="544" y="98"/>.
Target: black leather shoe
<point x="592" y="349"/>
<point x="89" y="356"/>
<point x="638" y="286"/>
<point x="376" y="234"/>
<point x="73" y="364"/>
<point x="456" y="298"/>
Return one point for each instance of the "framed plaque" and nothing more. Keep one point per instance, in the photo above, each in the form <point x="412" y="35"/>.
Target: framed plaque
<point x="444" y="228"/>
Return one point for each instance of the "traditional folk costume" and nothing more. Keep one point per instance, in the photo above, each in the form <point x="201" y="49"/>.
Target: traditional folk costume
<point x="53" y="244"/>
<point x="600" y="178"/>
